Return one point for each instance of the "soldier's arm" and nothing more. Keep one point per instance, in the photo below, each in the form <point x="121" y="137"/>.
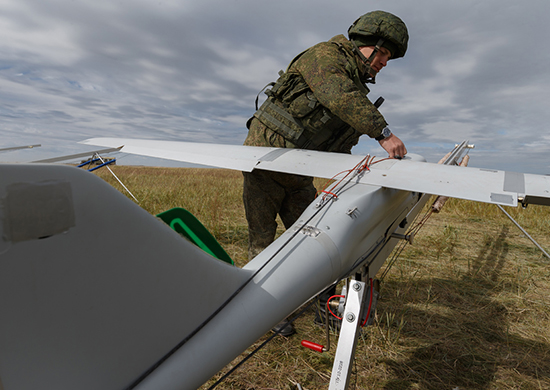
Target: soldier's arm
<point x="324" y="70"/>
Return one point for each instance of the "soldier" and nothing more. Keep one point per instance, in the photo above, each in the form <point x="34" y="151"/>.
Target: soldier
<point x="319" y="103"/>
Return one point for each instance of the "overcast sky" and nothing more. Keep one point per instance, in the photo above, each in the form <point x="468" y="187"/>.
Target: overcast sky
<point x="190" y="70"/>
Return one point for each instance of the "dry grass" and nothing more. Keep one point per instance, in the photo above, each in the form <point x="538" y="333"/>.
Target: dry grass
<point x="465" y="307"/>
<point x="214" y="196"/>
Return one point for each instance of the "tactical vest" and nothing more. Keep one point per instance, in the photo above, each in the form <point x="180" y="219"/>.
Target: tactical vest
<point x="292" y="111"/>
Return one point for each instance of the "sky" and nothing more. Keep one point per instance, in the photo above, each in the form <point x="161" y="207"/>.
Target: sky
<point x="190" y="70"/>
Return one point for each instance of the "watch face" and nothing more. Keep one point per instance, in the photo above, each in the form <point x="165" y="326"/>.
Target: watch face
<point x="386" y="132"/>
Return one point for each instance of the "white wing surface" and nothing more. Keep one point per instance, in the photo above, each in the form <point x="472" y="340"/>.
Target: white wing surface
<point x="241" y="158"/>
<point x="410" y="174"/>
<point x="482" y="185"/>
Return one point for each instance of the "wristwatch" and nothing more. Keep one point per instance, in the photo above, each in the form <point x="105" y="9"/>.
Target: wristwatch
<point x="386" y="132"/>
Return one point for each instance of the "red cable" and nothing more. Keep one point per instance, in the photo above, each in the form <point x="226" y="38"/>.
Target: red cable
<point x="360" y="166"/>
<point x="370" y="304"/>
<point x="328" y="307"/>
<point x="330" y="193"/>
<point x="343" y="296"/>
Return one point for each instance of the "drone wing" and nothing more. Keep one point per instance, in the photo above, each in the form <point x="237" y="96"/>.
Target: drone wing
<point x="19" y="147"/>
<point x="241" y="158"/>
<point x="410" y="174"/>
<point x="73" y="156"/>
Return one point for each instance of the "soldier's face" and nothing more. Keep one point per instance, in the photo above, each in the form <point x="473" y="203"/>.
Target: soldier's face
<point x="380" y="59"/>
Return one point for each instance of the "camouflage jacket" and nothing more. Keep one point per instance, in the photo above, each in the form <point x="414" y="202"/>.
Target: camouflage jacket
<point x="319" y="103"/>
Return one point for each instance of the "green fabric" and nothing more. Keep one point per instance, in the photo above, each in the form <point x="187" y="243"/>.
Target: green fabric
<point x="186" y="224"/>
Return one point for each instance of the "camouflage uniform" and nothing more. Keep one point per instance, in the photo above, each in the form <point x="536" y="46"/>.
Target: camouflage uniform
<point x="323" y="91"/>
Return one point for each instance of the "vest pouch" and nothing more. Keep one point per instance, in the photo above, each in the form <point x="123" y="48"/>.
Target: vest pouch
<point x="288" y="87"/>
<point x="303" y="105"/>
<point x="322" y="128"/>
<point x="280" y="120"/>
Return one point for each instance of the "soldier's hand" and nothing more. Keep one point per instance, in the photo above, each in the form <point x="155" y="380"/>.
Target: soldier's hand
<point x="394" y="146"/>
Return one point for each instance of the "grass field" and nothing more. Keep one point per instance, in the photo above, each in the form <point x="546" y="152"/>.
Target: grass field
<point x="465" y="307"/>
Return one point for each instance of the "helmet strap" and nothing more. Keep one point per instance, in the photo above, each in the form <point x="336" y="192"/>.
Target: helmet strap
<point x="370" y="73"/>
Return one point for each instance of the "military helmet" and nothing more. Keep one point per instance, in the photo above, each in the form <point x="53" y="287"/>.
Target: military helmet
<point x="376" y="25"/>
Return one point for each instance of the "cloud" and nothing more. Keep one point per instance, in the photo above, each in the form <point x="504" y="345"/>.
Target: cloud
<point x="189" y="70"/>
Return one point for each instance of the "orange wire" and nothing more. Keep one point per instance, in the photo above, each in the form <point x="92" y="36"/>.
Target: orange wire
<point x="382" y="159"/>
<point x="329" y="193"/>
<point x="360" y="166"/>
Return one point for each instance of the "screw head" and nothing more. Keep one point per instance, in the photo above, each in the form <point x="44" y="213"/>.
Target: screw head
<point x="350" y="317"/>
